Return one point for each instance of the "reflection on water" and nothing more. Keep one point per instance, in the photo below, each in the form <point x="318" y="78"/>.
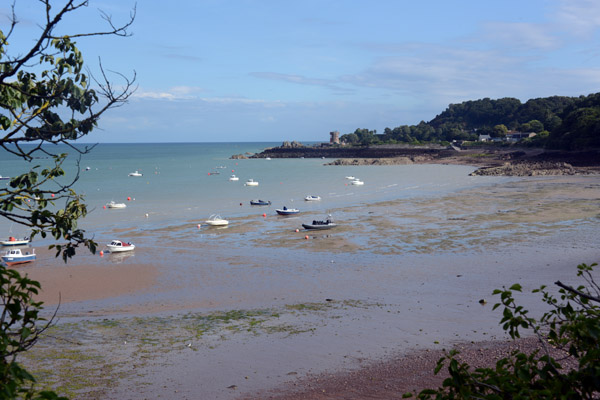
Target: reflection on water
<point x="118" y="258"/>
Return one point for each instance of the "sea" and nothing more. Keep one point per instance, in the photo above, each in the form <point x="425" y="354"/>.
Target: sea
<point x="190" y="181"/>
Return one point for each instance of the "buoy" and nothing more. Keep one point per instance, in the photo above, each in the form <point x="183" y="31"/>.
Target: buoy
<point x="101" y="253"/>
<point x="306" y="237"/>
<point x="104" y="207"/>
<point x="297" y="230"/>
<point x="240" y="204"/>
<point x="264" y="215"/>
<point x="146" y="215"/>
<point x="199" y="226"/>
<point x="233" y="170"/>
<point x="52" y="195"/>
<point x="128" y="198"/>
<point x="209" y="174"/>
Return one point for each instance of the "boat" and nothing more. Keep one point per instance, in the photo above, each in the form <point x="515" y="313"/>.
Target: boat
<point x="251" y="182"/>
<point x="287" y="211"/>
<point x="260" y="203"/>
<point x="350" y="178"/>
<point x="112" y="204"/>
<point x="4" y="178"/>
<point x="16" y="256"/>
<point x="221" y="167"/>
<point x="13" y="241"/>
<point x="357" y="182"/>
<point x="327" y="224"/>
<point x="216" y="220"/>
<point x="87" y="168"/>
<point x="136" y="173"/>
<point x="234" y="178"/>
<point x="268" y="158"/>
<point x="117" y="246"/>
<point x="312" y="198"/>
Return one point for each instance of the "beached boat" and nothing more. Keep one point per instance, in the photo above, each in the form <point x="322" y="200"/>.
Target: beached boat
<point x="251" y="182"/>
<point x="260" y="203"/>
<point x="312" y="198"/>
<point x="13" y="241"/>
<point x="327" y="224"/>
<point x="287" y="211"/>
<point x="16" y="256"/>
<point x="117" y="246"/>
<point x="216" y="220"/>
<point x="112" y="204"/>
<point x="234" y="178"/>
<point x="357" y="182"/>
<point x="136" y="173"/>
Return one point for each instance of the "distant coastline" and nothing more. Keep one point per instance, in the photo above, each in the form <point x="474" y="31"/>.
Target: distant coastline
<point x="510" y="161"/>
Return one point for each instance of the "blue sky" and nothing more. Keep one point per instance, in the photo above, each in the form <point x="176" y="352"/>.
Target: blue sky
<point x="273" y="70"/>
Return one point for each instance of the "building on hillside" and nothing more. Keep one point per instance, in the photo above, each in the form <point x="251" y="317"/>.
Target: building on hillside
<point x="514" y="136"/>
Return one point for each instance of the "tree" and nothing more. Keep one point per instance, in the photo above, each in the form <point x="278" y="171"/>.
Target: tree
<point x="499" y="131"/>
<point x="45" y="98"/>
<point x="572" y="325"/>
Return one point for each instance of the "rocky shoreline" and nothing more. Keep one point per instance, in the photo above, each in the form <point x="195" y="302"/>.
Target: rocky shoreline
<point x="491" y="161"/>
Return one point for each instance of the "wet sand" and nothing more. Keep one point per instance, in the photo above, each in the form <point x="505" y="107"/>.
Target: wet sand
<point x="238" y="312"/>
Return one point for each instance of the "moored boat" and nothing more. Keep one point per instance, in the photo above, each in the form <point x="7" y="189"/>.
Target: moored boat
<point x="16" y="256"/>
<point x="260" y="202"/>
<point x="112" y="204"/>
<point x="13" y="241"/>
<point x="216" y="220"/>
<point x="312" y="198"/>
<point x="327" y="224"/>
<point x="136" y="173"/>
<point x="287" y="211"/>
<point x="234" y="178"/>
<point x="251" y="182"/>
<point x="117" y="246"/>
<point x="357" y="182"/>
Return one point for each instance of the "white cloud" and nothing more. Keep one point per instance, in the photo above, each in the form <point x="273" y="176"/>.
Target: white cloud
<point x="579" y="17"/>
<point x="521" y="36"/>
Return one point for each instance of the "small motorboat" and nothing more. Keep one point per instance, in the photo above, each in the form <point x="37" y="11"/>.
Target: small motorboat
<point x="327" y="224"/>
<point x="216" y="220"/>
<point x="268" y="158"/>
<point x="350" y="178"/>
<point x="4" y="178"/>
<point x="287" y="211"/>
<point x="260" y="203"/>
<point x="357" y="182"/>
<point x="234" y="178"/>
<point x="117" y="246"/>
<point x="312" y="198"/>
<point x="15" y="256"/>
<point x="136" y="173"/>
<point x="13" y="241"/>
<point x="87" y="168"/>
<point x="112" y="204"/>
<point x="251" y="182"/>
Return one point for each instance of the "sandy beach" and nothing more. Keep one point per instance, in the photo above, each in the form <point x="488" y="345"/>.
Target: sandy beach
<point x="229" y="313"/>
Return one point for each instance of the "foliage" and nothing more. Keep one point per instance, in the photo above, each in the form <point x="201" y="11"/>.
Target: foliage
<point x="572" y="326"/>
<point x="45" y="98"/>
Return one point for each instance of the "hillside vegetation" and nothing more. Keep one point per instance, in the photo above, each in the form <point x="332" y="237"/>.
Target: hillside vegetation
<point x="559" y="122"/>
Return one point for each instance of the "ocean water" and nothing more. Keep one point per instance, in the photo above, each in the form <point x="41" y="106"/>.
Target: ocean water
<point x="179" y="184"/>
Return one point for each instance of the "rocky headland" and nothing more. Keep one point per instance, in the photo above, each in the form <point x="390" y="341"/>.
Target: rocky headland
<point x="507" y="161"/>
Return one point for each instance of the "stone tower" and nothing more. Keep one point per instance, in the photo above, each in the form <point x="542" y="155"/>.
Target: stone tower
<point x="335" y="137"/>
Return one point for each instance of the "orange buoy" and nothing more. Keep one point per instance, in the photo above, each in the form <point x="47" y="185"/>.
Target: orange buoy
<point x="199" y="226"/>
<point x="297" y="230"/>
<point x="101" y="253"/>
<point x="104" y="207"/>
<point x="264" y="215"/>
<point x="128" y="198"/>
<point x="52" y="195"/>
<point x="233" y="170"/>
<point x="306" y="237"/>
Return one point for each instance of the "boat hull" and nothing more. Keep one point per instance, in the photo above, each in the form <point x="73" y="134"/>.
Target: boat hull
<point x="287" y="212"/>
<point x="120" y="249"/>
<point x="260" y="203"/>
<point x="319" y="226"/>
<point x="22" y="242"/>
<point x="14" y="260"/>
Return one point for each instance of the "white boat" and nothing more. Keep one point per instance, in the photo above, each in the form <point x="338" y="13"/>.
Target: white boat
<point x="251" y="182"/>
<point x="312" y="198"/>
<point x="234" y="178"/>
<point x="357" y="182"/>
<point x="117" y="246"/>
<point x="4" y="178"/>
<point x="350" y="178"/>
<point x="268" y="158"/>
<point x="87" y="168"/>
<point x="287" y="211"/>
<point x="13" y="241"/>
<point x="112" y="204"/>
<point x="15" y="256"/>
<point x="216" y="220"/>
<point x="136" y="173"/>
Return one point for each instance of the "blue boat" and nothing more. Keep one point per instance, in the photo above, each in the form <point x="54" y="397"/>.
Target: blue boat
<point x="287" y="211"/>
<point x="260" y="203"/>
<point x="15" y="256"/>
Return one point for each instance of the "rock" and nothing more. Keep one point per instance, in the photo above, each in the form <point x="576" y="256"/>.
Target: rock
<point x="239" y="157"/>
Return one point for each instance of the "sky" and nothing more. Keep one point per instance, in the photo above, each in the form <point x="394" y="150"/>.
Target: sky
<point x="275" y="70"/>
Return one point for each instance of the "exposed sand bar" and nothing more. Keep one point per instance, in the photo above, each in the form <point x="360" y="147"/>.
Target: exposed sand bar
<point x="394" y="277"/>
